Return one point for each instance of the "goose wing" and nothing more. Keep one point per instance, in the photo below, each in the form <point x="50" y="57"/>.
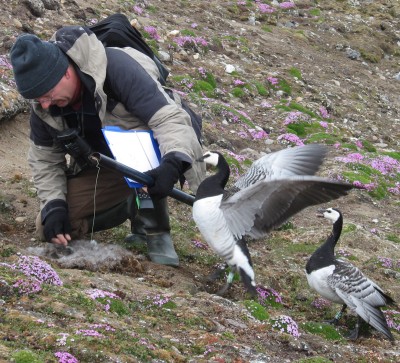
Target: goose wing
<point x="299" y="160"/>
<point x="257" y="209"/>
<point x="348" y="280"/>
<point x="360" y="294"/>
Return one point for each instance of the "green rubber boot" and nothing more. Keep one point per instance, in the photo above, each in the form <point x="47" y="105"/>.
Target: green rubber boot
<point x="150" y="224"/>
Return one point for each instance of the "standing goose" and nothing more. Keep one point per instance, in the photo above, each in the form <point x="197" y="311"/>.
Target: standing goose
<point x="276" y="187"/>
<point x="341" y="282"/>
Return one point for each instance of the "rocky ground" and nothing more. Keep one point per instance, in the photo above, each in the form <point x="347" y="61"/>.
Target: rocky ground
<point x="337" y="64"/>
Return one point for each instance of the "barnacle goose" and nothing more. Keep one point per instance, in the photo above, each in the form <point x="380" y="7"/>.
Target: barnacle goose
<point x="276" y="187"/>
<point x="341" y="282"/>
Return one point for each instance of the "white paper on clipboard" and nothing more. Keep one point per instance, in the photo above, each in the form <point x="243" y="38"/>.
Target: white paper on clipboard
<point x="136" y="149"/>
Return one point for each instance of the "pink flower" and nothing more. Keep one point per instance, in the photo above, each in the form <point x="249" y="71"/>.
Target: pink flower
<point x="265" y="9"/>
<point x="324" y="124"/>
<point x="138" y="10"/>
<point x="238" y="82"/>
<point x="152" y="32"/>
<point x="291" y="138"/>
<point x="274" y="81"/>
<point x="287" y="5"/>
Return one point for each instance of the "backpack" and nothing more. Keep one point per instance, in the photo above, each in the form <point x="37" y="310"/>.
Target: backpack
<point x="117" y="31"/>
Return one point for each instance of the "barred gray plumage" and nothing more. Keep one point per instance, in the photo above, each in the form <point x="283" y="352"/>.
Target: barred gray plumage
<point x="341" y="282"/>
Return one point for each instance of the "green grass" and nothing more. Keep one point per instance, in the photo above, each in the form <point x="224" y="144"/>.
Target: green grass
<point x="294" y="72"/>
<point x="262" y="91"/>
<point x="393" y="238"/>
<point x="349" y="227"/>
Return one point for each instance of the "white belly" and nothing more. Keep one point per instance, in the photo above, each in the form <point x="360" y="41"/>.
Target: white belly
<point x="318" y="281"/>
<point x="211" y="223"/>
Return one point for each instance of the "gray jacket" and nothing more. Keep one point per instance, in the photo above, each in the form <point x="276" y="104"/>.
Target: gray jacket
<point x="135" y="99"/>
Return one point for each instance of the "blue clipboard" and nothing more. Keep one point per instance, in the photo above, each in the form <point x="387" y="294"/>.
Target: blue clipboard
<point x="135" y="148"/>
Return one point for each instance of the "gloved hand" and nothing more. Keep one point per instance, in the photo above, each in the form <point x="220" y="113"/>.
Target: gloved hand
<point x="55" y="219"/>
<point x="165" y="176"/>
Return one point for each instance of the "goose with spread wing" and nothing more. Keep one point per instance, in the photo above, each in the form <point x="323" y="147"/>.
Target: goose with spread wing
<point x="341" y="282"/>
<point x="276" y="187"/>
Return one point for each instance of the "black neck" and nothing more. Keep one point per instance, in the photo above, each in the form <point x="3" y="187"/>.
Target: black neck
<point x="214" y="184"/>
<point x="325" y="255"/>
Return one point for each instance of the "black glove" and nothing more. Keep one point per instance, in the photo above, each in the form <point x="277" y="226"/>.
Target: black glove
<point x="165" y="176"/>
<point x="55" y="219"/>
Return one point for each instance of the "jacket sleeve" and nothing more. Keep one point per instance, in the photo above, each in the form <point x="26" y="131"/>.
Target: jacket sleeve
<point x="48" y="164"/>
<point x="134" y="83"/>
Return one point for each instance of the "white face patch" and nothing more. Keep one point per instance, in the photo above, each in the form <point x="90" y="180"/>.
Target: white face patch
<point x="211" y="158"/>
<point x="332" y="215"/>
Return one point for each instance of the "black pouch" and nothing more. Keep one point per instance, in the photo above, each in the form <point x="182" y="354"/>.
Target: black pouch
<point x="76" y="146"/>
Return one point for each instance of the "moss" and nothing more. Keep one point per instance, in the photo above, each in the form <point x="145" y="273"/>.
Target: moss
<point x="238" y="92"/>
<point x="313" y="360"/>
<point x="188" y="33"/>
<point x="296" y="248"/>
<point x="322" y="136"/>
<point x="266" y="28"/>
<point x="298" y="129"/>
<point x="371" y="56"/>
<point x="352" y="177"/>
<point x="327" y="331"/>
<point x="363" y="169"/>
<point x="256" y="310"/>
<point x="286" y="226"/>
<point x="296" y="106"/>
<point x="393" y="154"/>
<point x="349" y="146"/>
<point x="200" y="86"/>
<point x="380" y="192"/>
<point x="7" y="251"/>
<point x="26" y="356"/>
<point x="211" y="79"/>
<point x="220" y="109"/>
<point x="315" y="12"/>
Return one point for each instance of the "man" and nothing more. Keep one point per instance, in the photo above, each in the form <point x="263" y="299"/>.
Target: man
<point x="76" y="87"/>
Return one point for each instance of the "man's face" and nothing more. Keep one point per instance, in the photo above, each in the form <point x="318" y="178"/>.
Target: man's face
<point x="60" y="95"/>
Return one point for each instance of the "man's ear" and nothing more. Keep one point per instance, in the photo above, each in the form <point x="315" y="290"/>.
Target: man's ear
<point x="68" y="73"/>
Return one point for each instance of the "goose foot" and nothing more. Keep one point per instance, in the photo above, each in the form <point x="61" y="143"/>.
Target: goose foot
<point x="353" y="335"/>
<point x="218" y="273"/>
<point x="224" y="289"/>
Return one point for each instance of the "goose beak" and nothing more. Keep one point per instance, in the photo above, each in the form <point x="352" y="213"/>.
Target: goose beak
<point x="203" y="157"/>
<point x="320" y="212"/>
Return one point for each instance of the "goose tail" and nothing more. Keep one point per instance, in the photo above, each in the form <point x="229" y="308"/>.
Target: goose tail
<point x="375" y="317"/>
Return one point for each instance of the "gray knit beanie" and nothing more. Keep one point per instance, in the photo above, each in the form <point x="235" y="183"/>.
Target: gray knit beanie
<point x="37" y="65"/>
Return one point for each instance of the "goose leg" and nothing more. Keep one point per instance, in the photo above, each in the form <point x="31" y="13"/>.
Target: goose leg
<point x="248" y="284"/>
<point x="355" y="332"/>
<point x="337" y="317"/>
<point x="228" y="284"/>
